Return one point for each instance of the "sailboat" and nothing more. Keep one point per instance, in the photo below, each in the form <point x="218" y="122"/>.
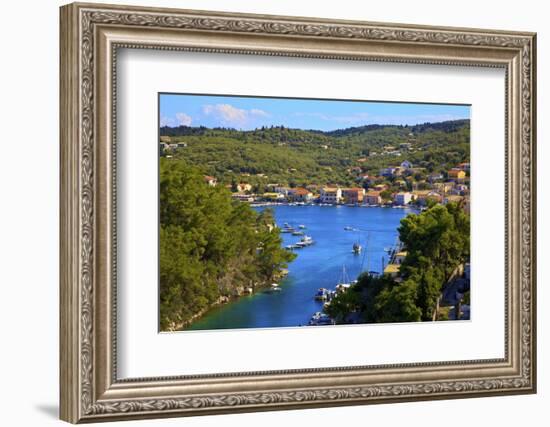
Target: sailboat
<point x="344" y="282"/>
<point x="357" y="246"/>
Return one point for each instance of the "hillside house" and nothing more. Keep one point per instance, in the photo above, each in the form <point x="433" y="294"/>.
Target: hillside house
<point x="406" y="164"/>
<point x="353" y="195"/>
<point x="403" y="198"/>
<point x="452" y="199"/>
<point x="243" y="187"/>
<point x="422" y="196"/>
<point x="444" y="187"/>
<point x="373" y="198"/>
<point x="456" y="174"/>
<point x="210" y="180"/>
<point x="330" y="195"/>
<point x="387" y="172"/>
<point x="300" y="194"/>
<point x="281" y="190"/>
<point x="435" y="177"/>
<point x="392" y="270"/>
<point x="461" y="190"/>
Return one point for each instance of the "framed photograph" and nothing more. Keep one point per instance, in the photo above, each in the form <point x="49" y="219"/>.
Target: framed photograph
<point x="267" y="212"/>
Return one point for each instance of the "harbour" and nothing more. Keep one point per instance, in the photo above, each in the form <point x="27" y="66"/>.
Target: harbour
<point x="326" y="239"/>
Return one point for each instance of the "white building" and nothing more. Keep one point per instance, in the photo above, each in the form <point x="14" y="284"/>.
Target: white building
<point x="281" y="190"/>
<point x="243" y="186"/>
<point x="387" y="171"/>
<point x="330" y="195"/>
<point x="403" y="198"/>
<point x="300" y="195"/>
<point x="210" y="180"/>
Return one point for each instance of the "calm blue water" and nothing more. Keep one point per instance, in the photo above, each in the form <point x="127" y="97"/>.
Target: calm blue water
<point x="316" y="266"/>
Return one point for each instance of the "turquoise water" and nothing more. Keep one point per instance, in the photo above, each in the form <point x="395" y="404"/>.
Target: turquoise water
<point x="316" y="266"/>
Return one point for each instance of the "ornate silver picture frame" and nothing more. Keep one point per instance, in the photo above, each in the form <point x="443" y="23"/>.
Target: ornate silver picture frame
<point x="91" y="390"/>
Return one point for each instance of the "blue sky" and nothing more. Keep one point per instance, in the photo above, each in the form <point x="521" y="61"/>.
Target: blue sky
<point x="251" y="113"/>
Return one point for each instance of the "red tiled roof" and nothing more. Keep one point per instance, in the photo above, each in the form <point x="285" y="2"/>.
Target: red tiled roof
<point x="301" y="191"/>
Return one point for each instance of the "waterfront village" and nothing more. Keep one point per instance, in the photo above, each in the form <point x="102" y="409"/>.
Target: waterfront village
<point x="423" y="175"/>
<point x="399" y="186"/>
<point x="396" y="186"/>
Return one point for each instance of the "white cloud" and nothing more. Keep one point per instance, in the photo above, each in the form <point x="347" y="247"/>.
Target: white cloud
<point x="183" y="119"/>
<point x="226" y="113"/>
<point x="229" y="115"/>
<point x="167" y="121"/>
<point x="257" y="112"/>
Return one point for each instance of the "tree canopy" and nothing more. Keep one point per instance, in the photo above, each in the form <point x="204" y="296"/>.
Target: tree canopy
<point x="210" y="246"/>
<point x="437" y="241"/>
<point x="302" y="157"/>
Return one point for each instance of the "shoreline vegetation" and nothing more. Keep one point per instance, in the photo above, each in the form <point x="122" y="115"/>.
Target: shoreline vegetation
<point x="433" y="252"/>
<point x="214" y="247"/>
<point x="211" y="248"/>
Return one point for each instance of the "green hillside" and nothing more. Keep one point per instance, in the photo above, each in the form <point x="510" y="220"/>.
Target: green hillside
<point x="300" y="157"/>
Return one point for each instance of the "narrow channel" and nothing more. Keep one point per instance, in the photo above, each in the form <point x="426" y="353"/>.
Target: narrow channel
<point x="334" y="230"/>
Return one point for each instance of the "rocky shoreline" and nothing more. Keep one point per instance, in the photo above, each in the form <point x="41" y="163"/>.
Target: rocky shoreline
<point x="225" y="299"/>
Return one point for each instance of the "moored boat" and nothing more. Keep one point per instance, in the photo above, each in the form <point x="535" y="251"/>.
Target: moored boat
<point x="320" y="319"/>
<point x="305" y="241"/>
<point x="322" y="294"/>
<point x="274" y="288"/>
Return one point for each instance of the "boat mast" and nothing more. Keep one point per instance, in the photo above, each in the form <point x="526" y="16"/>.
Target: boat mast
<point x="344" y="275"/>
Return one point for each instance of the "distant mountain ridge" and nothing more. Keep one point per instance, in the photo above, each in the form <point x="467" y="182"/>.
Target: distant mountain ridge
<point x="448" y="125"/>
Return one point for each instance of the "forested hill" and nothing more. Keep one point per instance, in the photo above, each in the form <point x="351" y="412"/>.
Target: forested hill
<point x="447" y="126"/>
<point x="301" y="157"/>
<point x="210" y="248"/>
